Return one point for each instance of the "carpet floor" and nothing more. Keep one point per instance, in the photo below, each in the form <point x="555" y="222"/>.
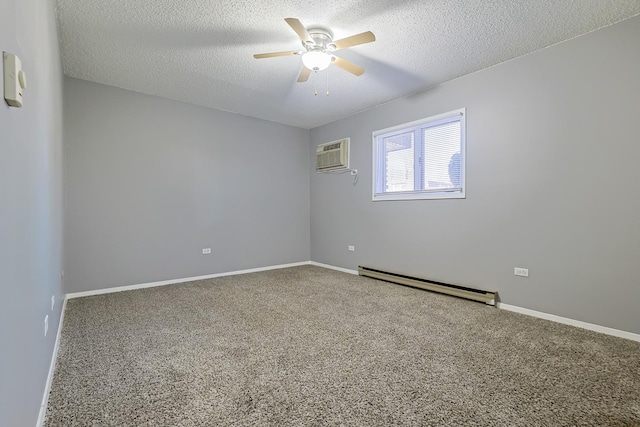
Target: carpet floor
<point x="308" y="346"/>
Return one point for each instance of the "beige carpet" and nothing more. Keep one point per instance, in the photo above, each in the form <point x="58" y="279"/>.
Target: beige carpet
<point x="308" y="346"/>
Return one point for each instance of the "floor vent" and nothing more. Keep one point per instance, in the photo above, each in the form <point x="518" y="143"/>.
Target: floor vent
<point x="430" y="285"/>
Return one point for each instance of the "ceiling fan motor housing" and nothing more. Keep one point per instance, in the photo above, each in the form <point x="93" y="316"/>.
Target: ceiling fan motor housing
<point x="322" y="40"/>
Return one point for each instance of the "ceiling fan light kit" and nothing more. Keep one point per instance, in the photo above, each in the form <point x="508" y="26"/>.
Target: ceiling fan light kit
<point x="316" y="60"/>
<point x="318" y="50"/>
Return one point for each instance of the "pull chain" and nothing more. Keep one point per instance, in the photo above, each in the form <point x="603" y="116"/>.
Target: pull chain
<point x="327" y="72"/>
<point x="315" y="83"/>
<point x="316" y="78"/>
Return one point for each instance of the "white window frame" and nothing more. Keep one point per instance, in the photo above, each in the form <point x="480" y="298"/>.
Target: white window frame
<point x="420" y="194"/>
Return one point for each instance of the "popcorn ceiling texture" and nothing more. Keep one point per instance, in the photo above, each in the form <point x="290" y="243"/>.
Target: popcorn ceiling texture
<point x="200" y="51"/>
<point x="308" y="346"/>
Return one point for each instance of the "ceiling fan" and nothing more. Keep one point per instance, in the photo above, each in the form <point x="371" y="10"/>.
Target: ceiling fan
<point x="318" y="50"/>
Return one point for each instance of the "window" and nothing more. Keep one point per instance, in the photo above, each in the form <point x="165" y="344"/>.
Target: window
<point x="420" y="160"/>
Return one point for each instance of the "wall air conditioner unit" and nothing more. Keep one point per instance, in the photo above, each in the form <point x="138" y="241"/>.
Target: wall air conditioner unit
<point x="333" y="155"/>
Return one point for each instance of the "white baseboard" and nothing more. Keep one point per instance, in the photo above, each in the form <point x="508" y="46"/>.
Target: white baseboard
<point x="52" y="368"/>
<point x="552" y="317"/>
<point x="344" y="270"/>
<point x="572" y="322"/>
<point x="174" y="281"/>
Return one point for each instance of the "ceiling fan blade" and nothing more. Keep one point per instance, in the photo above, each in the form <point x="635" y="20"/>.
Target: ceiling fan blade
<point x="274" y="54"/>
<point x="304" y="75"/>
<point x="299" y="29"/>
<point x="348" y="66"/>
<point x="362" y="38"/>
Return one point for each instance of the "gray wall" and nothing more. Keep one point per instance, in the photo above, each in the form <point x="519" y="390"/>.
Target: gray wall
<point x="552" y="184"/>
<point x="30" y="210"/>
<point x="151" y="182"/>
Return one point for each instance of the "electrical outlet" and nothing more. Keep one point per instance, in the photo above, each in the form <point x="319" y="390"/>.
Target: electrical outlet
<point x="46" y="324"/>
<point x="518" y="271"/>
<point x="53" y="301"/>
<point x="206" y="251"/>
<point x="62" y="274"/>
<point x="351" y="248"/>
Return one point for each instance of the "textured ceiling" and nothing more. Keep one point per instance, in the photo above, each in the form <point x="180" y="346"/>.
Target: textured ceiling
<point x="201" y="52"/>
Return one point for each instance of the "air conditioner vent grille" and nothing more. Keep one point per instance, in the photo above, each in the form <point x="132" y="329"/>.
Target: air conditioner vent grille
<point x="333" y="155"/>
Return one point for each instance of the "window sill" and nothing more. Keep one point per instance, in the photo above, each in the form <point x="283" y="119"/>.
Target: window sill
<point x="418" y="196"/>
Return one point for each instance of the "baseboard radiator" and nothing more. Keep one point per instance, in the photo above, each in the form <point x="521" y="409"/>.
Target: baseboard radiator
<point x="430" y="285"/>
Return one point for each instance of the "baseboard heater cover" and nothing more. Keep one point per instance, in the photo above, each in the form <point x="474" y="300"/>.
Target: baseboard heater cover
<point x="429" y="285"/>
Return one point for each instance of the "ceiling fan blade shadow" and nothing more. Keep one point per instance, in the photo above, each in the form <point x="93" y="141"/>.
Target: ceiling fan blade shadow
<point x="348" y="66"/>
<point x="304" y="75"/>
<point x="390" y="75"/>
<point x="358" y="10"/>
<point x="188" y="38"/>
<point x="362" y="38"/>
<point x="275" y="54"/>
<point x="297" y="26"/>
